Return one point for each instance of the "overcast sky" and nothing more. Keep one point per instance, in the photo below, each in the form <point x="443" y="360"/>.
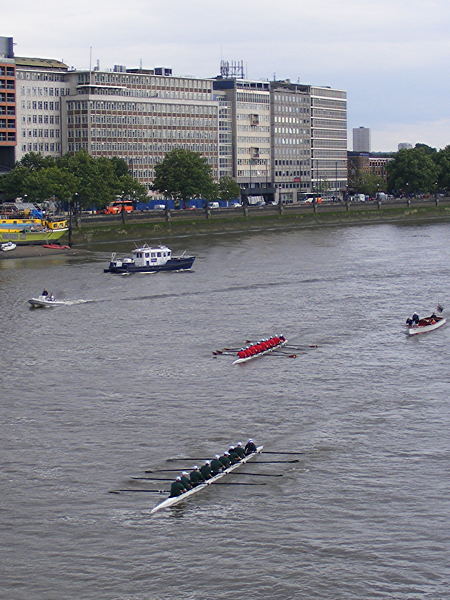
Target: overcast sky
<point x="391" y="56"/>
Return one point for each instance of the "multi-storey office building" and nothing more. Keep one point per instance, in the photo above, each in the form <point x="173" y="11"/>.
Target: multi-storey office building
<point x="328" y="140"/>
<point x="139" y="115"/>
<point x="248" y="105"/>
<point x="291" y="139"/>
<point x="41" y="84"/>
<point x="8" y="117"/>
<point x="361" y="139"/>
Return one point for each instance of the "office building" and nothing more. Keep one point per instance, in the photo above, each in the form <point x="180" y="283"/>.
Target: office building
<point x="361" y="139"/>
<point x="276" y="139"/>
<point x="40" y="85"/>
<point x="8" y="117"/>
<point x="140" y="115"/>
<point x="248" y="120"/>
<point x="328" y="140"/>
<point x="291" y="139"/>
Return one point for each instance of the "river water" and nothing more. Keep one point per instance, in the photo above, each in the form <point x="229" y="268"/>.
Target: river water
<point x="96" y="393"/>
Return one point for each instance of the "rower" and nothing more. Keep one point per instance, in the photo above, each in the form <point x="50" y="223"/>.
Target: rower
<point x="177" y="488"/>
<point x="205" y="470"/>
<point x="239" y="450"/>
<point x="234" y="456"/>
<point x="216" y="465"/>
<point x="250" y="447"/>
<point x="225" y="460"/>
<point x="185" y="480"/>
<point x="196" y="477"/>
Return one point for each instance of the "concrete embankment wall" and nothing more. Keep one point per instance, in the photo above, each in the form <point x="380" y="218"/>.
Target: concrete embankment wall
<point x="181" y="223"/>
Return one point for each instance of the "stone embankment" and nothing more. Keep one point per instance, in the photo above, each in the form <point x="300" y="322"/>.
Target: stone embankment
<point x="155" y="225"/>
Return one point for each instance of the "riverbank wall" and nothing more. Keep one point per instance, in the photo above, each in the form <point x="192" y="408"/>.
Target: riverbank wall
<point x="174" y="224"/>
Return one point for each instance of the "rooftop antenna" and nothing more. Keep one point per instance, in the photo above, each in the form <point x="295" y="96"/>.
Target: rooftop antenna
<point x="140" y="64"/>
<point x="90" y="65"/>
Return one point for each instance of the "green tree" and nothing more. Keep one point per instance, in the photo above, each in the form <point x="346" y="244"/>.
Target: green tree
<point x="183" y="175"/>
<point x="34" y="161"/>
<point x="51" y="182"/>
<point x="131" y="188"/>
<point x="412" y="171"/>
<point x="442" y="160"/>
<point x="228" y="189"/>
<point x="98" y="183"/>
<point x="369" y="184"/>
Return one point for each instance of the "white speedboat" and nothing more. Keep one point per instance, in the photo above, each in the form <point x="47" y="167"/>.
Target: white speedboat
<point x="46" y="301"/>
<point x="8" y="246"/>
<point x="415" y="325"/>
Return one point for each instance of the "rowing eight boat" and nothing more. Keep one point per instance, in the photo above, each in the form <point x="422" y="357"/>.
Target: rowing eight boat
<point x="247" y="358"/>
<point x="176" y="499"/>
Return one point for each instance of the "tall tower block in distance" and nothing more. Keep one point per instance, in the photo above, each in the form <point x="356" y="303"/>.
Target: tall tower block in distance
<point x="361" y="139"/>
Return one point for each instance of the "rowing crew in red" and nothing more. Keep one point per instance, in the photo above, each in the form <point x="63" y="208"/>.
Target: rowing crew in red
<point x="261" y="346"/>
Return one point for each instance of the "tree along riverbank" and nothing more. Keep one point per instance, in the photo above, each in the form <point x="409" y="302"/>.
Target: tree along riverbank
<point x="148" y="226"/>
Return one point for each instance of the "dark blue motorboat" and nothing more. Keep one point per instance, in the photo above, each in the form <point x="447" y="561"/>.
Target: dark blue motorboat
<point x="149" y="259"/>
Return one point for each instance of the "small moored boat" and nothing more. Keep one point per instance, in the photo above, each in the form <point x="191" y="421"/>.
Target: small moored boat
<point x="149" y="259"/>
<point x="415" y="325"/>
<point x="176" y="499"/>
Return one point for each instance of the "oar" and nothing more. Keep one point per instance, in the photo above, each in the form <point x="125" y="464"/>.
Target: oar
<point x="149" y="491"/>
<point x="168" y="470"/>
<point x="300" y="347"/>
<point x="258" y="474"/>
<point x="237" y="483"/>
<point x="224" y="353"/>
<point x="273" y="452"/>
<point x="283" y="354"/>
<point x="151" y="479"/>
<point x="188" y="458"/>
<point x="273" y="462"/>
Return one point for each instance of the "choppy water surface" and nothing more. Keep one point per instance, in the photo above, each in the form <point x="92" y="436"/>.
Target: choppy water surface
<point x="97" y="392"/>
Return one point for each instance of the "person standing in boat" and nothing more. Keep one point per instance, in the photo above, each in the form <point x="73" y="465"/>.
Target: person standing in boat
<point x="216" y="465"/>
<point x="185" y="480"/>
<point x="44" y="293"/>
<point x="177" y="488"/>
<point x="196" y="478"/>
<point x="205" y="470"/>
<point x="250" y="447"/>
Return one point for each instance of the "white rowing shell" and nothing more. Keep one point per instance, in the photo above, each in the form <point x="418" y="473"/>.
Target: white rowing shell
<point x="176" y="499"/>
<point x="243" y="360"/>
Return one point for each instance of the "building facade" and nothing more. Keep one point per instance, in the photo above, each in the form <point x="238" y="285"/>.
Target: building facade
<point x="41" y="85"/>
<point x="139" y="115"/>
<point x="274" y="138"/>
<point x="8" y="108"/>
<point x="291" y="140"/>
<point x="248" y="108"/>
<point x="361" y="139"/>
<point x="328" y="140"/>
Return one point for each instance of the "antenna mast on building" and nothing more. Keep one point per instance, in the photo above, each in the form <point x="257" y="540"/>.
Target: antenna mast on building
<point x="232" y="69"/>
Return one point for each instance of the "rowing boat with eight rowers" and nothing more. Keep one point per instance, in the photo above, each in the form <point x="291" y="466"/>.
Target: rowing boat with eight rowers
<point x="251" y="450"/>
<point x="257" y="349"/>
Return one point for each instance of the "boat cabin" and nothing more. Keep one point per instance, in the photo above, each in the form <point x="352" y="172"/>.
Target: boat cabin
<point x="151" y="256"/>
